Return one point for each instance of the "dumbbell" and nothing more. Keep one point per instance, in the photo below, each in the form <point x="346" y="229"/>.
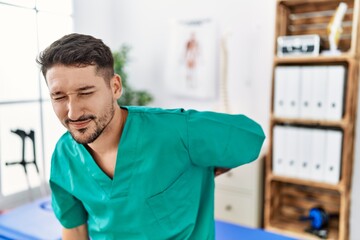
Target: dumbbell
<point x="319" y="218"/>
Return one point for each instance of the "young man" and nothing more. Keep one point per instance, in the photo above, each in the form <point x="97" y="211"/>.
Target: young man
<point x="133" y="172"/>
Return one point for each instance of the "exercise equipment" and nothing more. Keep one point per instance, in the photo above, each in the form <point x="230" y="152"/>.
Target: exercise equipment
<point x="319" y="221"/>
<point x="23" y="135"/>
<point x="318" y="218"/>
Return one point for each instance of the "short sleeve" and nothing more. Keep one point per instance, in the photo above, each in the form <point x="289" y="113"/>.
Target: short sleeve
<point x="223" y="140"/>
<point x="68" y="210"/>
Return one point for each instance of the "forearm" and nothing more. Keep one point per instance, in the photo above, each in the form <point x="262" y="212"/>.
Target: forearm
<point x="77" y="233"/>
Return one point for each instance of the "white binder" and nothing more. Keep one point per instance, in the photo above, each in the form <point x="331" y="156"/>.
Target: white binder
<point x="291" y="152"/>
<point x="319" y="92"/>
<point x="305" y="153"/>
<point x="318" y="155"/>
<point x="292" y="93"/>
<point x="333" y="156"/>
<point x="279" y="91"/>
<point x="278" y="154"/>
<point x="306" y="87"/>
<point x="335" y="92"/>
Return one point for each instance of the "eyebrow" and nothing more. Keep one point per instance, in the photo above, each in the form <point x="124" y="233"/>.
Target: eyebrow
<point x="85" y="88"/>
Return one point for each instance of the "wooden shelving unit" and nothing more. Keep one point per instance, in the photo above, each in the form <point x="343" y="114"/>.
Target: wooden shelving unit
<point x="286" y="198"/>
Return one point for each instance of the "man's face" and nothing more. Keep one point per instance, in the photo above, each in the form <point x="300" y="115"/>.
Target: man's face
<point x="82" y="100"/>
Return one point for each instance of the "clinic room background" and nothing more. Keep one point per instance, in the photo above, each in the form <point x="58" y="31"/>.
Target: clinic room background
<point x="234" y="46"/>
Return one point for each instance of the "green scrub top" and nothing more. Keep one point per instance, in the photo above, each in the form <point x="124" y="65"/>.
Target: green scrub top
<point x="163" y="185"/>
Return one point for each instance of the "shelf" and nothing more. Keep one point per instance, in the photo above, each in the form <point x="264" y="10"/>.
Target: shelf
<point x="309" y="122"/>
<point x="297" y="229"/>
<point x="292" y="3"/>
<point x="304" y="17"/>
<point x="288" y="231"/>
<point x="290" y="201"/>
<point x="344" y="58"/>
<point x="289" y="198"/>
<point x="304" y="182"/>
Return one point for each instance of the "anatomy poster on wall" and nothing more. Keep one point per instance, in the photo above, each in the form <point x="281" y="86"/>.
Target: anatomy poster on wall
<point x="192" y="66"/>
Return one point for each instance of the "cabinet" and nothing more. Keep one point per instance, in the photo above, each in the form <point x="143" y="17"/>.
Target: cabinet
<point x="290" y="195"/>
<point x="238" y="195"/>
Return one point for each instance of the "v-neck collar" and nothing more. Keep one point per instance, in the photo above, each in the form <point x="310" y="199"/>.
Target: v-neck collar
<point x="124" y="166"/>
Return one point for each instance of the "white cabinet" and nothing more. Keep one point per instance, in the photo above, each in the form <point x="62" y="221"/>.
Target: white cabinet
<point x="235" y="207"/>
<point x="238" y="195"/>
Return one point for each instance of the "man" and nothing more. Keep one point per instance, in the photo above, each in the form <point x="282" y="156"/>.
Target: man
<point x="133" y="172"/>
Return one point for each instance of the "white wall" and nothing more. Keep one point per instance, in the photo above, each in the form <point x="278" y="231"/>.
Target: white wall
<point x="355" y="194"/>
<point x="144" y="25"/>
<point x="95" y="18"/>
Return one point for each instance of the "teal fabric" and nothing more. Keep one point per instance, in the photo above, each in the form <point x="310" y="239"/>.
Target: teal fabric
<point x="163" y="186"/>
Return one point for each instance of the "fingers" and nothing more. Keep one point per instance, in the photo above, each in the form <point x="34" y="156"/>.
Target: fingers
<point x="218" y="171"/>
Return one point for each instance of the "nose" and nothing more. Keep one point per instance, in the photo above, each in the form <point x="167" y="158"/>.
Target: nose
<point x="74" y="109"/>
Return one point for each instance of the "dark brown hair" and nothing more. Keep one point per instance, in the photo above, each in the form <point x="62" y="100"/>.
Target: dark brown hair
<point x="78" y="50"/>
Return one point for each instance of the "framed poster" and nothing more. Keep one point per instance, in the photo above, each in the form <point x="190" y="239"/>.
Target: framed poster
<point x="192" y="59"/>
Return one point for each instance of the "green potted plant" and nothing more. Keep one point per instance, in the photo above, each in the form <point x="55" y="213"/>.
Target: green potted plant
<point x="129" y="96"/>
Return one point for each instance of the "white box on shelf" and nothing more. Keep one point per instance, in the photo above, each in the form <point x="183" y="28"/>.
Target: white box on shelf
<point x="305" y="151"/>
<point x="319" y="92"/>
<point x="291" y="151"/>
<point x="306" y="89"/>
<point x="318" y="155"/>
<point x="279" y="150"/>
<point x="279" y="91"/>
<point x="292" y="94"/>
<point x="335" y="92"/>
<point x="333" y="156"/>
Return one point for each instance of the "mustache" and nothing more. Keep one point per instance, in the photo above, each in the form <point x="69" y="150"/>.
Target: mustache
<point x="80" y="119"/>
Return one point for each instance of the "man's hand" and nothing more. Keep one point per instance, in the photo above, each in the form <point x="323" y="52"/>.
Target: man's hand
<point x="218" y="171"/>
<point x="77" y="233"/>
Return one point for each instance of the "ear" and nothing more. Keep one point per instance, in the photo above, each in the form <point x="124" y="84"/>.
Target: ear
<point x="116" y="86"/>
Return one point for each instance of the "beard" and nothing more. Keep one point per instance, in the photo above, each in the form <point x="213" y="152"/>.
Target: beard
<point x="96" y="127"/>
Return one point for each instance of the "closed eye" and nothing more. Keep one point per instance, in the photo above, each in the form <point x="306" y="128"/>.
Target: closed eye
<point x="85" y="93"/>
<point x="58" y="98"/>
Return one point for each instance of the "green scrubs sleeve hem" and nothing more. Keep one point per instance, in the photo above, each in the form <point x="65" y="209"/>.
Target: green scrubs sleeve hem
<point x="68" y="210"/>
